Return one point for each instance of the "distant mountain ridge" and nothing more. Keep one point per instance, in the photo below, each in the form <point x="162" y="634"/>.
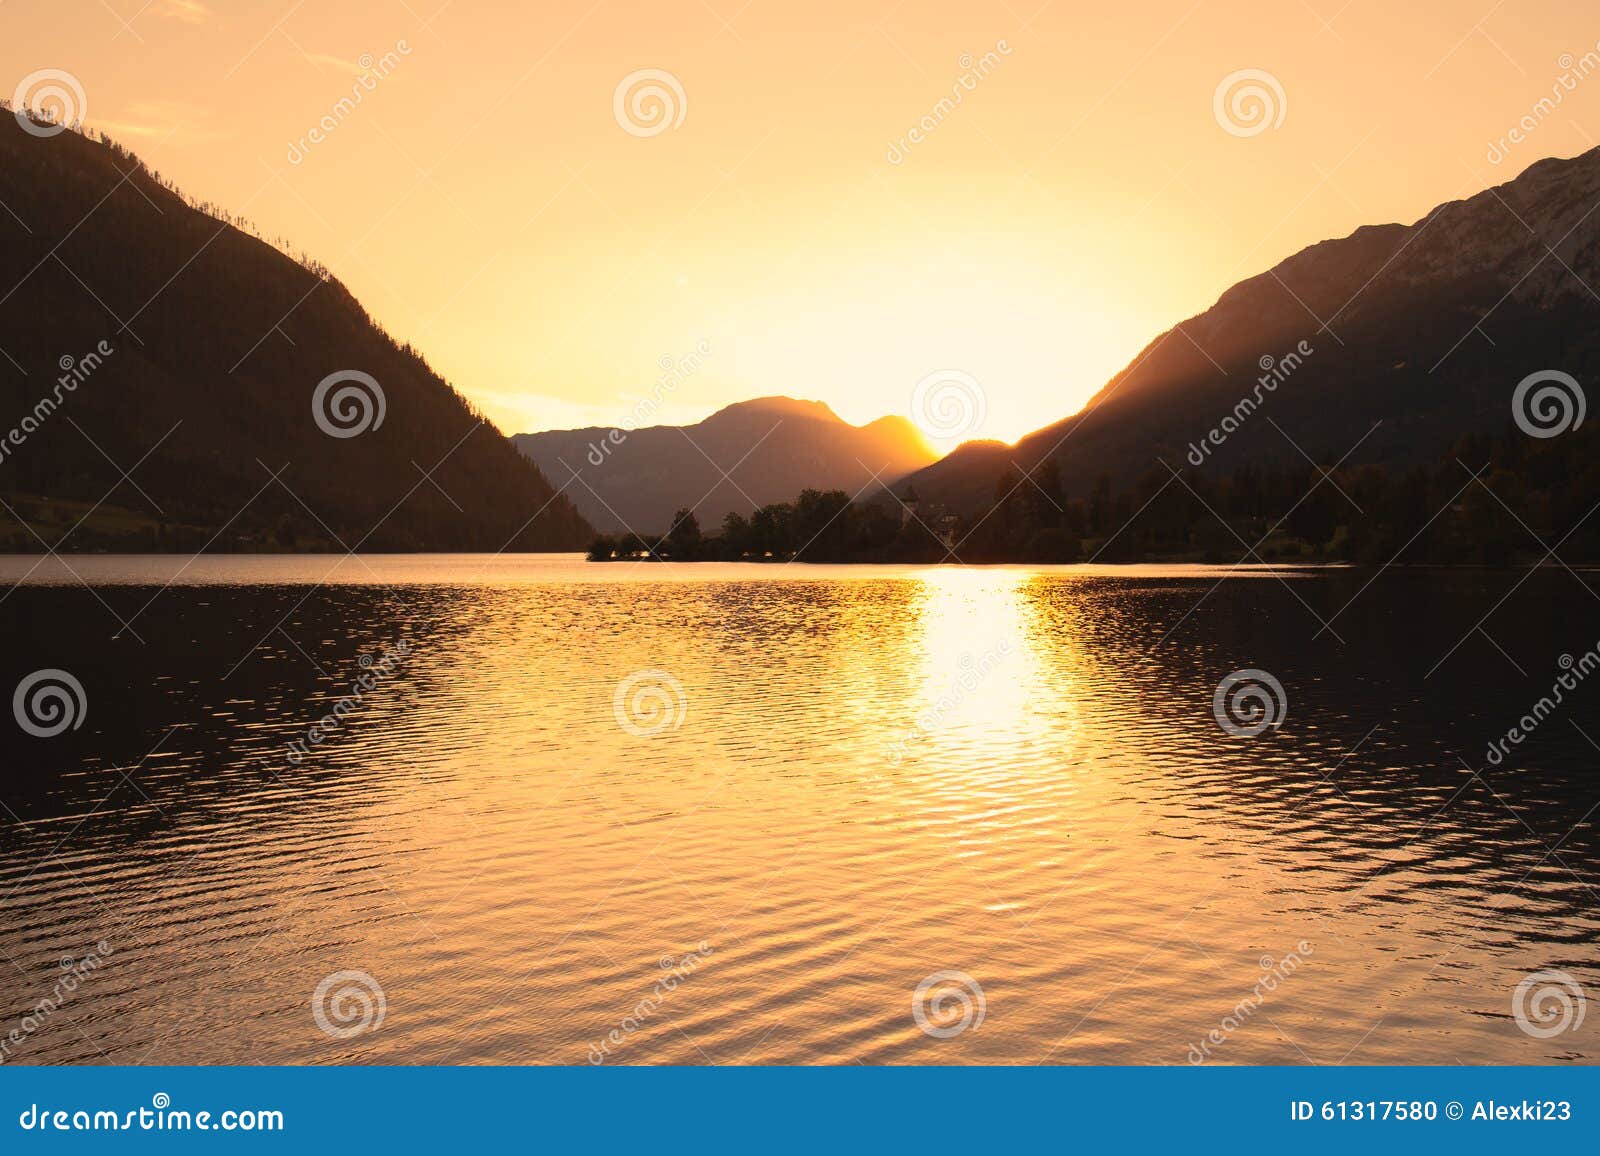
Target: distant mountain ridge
<point x="197" y="356"/>
<point x="1418" y="335"/>
<point x="770" y="448"/>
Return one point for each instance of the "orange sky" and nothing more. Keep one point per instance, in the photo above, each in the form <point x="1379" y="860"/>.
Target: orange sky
<point x="484" y="201"/>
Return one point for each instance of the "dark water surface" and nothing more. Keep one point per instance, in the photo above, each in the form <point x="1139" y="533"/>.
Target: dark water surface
<point x="818" y="790"/>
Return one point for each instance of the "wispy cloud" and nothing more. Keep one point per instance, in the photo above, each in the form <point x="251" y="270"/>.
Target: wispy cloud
<point x="337" y="63"/>
<point x="160" y="119"/>
<point x="188" y="11"/>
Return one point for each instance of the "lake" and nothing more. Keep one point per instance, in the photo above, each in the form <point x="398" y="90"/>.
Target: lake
<point x="524" y="809"/>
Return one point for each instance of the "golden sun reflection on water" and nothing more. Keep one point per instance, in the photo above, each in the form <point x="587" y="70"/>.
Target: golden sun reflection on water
<point x="991" y="682"/>
<point x="854" y="779"/>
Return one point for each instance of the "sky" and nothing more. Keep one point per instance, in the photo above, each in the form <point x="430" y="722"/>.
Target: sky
<point x="568" y="256"/>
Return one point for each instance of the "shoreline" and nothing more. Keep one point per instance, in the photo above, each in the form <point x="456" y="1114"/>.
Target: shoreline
<point x="577" y="556"/>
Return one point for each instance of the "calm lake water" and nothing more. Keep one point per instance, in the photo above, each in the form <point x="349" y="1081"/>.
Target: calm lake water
<point x="818" y="790"/>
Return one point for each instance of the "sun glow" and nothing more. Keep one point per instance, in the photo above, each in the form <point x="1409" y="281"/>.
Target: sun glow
<point x="978" y="660"/>
<point x="1037" y="251"/>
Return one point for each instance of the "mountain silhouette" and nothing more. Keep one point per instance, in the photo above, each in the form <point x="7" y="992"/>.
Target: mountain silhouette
<point x="160" y="372"/>
<point x="1415" y="336"/>
<point x="769" y="448"/>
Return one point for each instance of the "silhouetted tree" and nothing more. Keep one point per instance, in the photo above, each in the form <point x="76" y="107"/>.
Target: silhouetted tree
<point x="683" y="540"/>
